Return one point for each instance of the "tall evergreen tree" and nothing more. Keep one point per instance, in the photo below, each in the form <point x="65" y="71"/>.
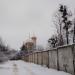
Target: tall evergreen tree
<point x="53" y="41"/>
<point x="66" y="21"/>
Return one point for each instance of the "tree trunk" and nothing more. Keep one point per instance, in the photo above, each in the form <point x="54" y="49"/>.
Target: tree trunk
<point x="67" y="39"/>
<point x="74" y="33"/>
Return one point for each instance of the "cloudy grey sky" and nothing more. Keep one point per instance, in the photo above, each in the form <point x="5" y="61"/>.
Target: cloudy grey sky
<point x="18" y="18"/>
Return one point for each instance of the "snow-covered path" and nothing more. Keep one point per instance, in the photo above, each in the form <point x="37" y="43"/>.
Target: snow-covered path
<point x="23" y="68"/>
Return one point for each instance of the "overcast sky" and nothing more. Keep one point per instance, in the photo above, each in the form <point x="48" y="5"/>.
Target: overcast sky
<point x="18" y="18"/>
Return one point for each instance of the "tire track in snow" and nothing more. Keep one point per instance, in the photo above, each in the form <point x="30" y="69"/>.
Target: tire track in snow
<point x="29" y="70"/>
<point x="15" y="69"/>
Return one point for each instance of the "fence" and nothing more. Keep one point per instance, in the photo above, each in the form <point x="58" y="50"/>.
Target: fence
<point x="61" y="58"/>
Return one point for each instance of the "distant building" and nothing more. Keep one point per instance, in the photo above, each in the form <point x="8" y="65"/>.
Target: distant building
<point x="30" y="44"/>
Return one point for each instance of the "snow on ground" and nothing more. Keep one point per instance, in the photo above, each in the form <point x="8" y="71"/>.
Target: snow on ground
<point x="24" y="68"/>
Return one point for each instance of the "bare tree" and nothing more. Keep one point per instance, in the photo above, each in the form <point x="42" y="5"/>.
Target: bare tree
<point x="73" y="30"/>
<point x="57" y="20"/>
<point x="62" y="23"/>
<point x="40" y="48"/>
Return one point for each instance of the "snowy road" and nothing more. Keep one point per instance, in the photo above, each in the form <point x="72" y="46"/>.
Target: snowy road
<point x="23" y="68"/>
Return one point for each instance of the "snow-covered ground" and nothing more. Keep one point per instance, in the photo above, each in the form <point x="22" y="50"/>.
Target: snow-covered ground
<point x="23" y="68"/>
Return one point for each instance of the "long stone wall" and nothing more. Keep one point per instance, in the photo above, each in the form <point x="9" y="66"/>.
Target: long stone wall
<point x="61" y="58"/>
<point x="53" y="59"/>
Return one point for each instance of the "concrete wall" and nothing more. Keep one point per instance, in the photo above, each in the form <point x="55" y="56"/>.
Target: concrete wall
<point x="35" y="58"/>
<point x="45" y="60"/>
<point x="65" y="57"/>
<point x="61" y="58"/>
<point x="74" y="57"/>
<point x="40" y="58"/>
<point x="53" y="59"/>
